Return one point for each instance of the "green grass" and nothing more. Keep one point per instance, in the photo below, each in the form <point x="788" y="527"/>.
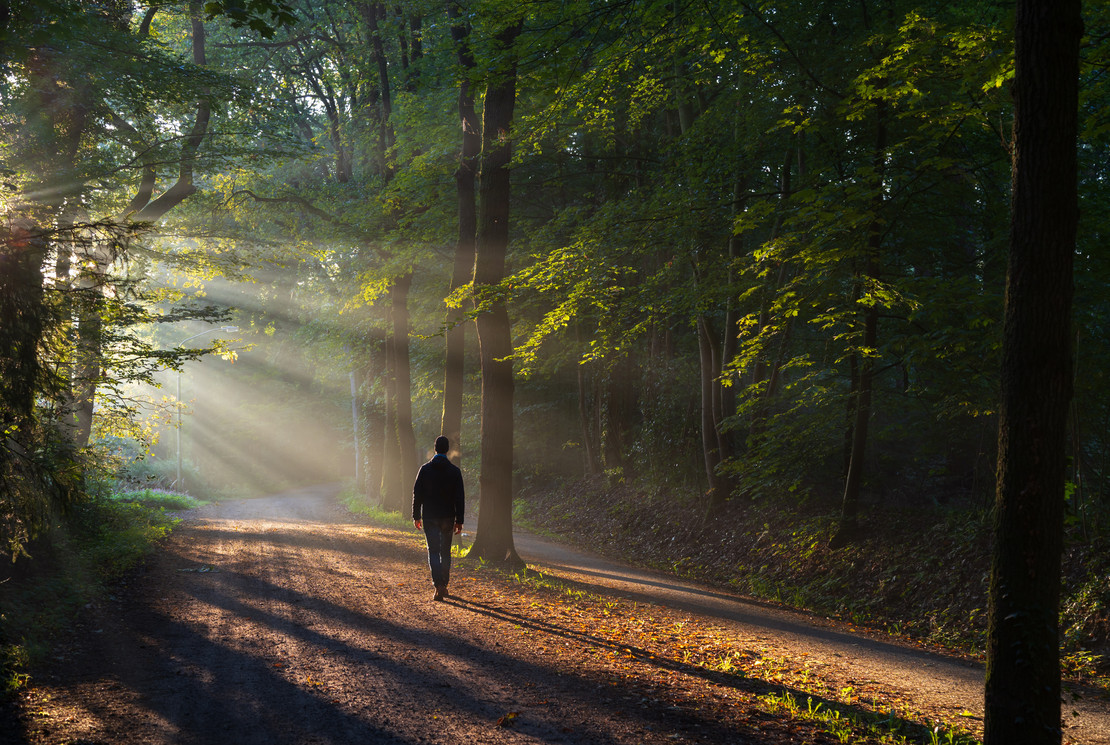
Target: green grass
<point x="847" y="724"/>
<point x="357" y="504"/>
<point x="74" y="564"/>
<point x="159" y="499"/>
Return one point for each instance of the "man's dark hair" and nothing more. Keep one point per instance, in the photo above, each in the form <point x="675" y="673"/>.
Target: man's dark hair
<point x="442" y="444"/>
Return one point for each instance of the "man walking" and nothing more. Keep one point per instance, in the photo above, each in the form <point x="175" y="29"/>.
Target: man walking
<point x="437" y="507"/>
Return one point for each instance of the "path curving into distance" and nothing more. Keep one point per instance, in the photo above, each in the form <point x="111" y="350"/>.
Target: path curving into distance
<point x="929" y="680"/>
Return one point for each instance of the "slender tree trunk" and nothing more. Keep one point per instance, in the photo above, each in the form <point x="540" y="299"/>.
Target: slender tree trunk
<point x="356" y="428"/>
<point x="406" y="438"/>
<point x="588" y="420"/>
<point x="399" y="468"/>
<point x="1023" y="664"/>
<point x="465" y="176"/>
<point x="183" y="187"/>
<point x="376" y="418"/>
<point x="613" y="441"/>
<point x="710" y="445"/>
<point x="372" y="14"/>
<point x="865" y="383"/>
<point x="391" y="483"/>
<point x="494" y="539"/>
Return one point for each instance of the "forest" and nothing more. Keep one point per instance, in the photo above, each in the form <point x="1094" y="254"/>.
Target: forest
<point x="736" y="256"/>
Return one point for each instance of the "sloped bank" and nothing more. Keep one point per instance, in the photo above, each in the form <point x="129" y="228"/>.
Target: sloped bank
<point x="920" y="573"/>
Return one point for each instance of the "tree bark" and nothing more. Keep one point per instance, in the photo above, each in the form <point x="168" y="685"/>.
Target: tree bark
<point x="391" y="483"/>
<point x="22" y="320"/>
<point x="1022" y="696"/>
<point x="465" y="177"/>
<point x="376" y="370"/>
<point x="401" y="447"/>
<point x="710" y="441"/>
<point x="588" y="420"/>
<point x="184" y="187"/>
<point x="849" y="510"/>
<point x="372" y="13"/>
<point x="494" y="539"/>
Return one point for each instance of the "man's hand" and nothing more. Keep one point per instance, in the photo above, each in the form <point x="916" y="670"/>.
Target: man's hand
<point x="458" y="528"/>
<point x="419" y="524"/>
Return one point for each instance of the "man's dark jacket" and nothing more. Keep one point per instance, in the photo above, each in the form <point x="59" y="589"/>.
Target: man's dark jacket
<point x="438" y="491"/>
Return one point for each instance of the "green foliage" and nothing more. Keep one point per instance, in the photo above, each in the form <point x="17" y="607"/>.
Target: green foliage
<point x="76" y="564"/>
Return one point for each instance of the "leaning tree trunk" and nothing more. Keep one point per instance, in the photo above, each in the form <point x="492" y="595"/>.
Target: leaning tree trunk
<point x="1023" y="645"/>
<point x="494" y="539"/>
<point x="454" y="368"/>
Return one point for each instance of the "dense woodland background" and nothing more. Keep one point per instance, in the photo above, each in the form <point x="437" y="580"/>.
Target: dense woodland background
<point x="741" y="258"/>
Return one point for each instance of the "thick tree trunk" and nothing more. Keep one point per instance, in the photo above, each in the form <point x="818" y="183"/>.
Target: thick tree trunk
<point x="1023" y="664"/>
<point x="90" y="328"/>
<point x="22" y="319"/>
<point x="494" y="539"/>
<point x="465" y="176"/>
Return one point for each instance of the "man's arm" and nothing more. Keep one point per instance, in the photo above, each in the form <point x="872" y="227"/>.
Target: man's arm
<point x="417" y="498"/>
<point x="460" y="502"/>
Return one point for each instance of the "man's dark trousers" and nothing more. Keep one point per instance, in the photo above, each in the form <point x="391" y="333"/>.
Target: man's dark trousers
<point x="439" y="533"/>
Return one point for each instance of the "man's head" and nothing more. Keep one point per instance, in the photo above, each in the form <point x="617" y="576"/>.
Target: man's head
<point x="442" y="444"/>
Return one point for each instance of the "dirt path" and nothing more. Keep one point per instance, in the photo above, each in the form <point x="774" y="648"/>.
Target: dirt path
<point x="946" y="688"/>
<point x="284" y="620"/>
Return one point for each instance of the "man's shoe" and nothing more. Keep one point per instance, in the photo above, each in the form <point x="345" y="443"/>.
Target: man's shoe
<point x="444" y="593"/>
<point x="440" y="594"/>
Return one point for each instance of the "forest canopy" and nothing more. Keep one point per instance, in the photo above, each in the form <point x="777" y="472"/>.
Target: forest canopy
<point x="747" y="250"/>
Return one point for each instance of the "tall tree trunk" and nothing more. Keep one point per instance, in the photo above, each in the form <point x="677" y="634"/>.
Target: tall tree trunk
<point x="22" y="320"/>
<point x="406" y="438"/>
<point x="588" y="420"/>
<point x="372" y="14"/>
<point x="23" y="511"/>
<point x="849" y="511"/>
<point x="494" y="539"/>
<point x="710" y="442"/>
<point x="1022" y="698"/>
<point x="376" y="370"/>
<point x="87" y="355"/>
<point x="391" y="483"/>
<point x="399" y="468"/>
<point x="465" y="176"/>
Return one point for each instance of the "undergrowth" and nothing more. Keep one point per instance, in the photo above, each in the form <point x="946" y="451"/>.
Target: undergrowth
<point x="72" y="565"/>
<point x="921" y="573"/>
